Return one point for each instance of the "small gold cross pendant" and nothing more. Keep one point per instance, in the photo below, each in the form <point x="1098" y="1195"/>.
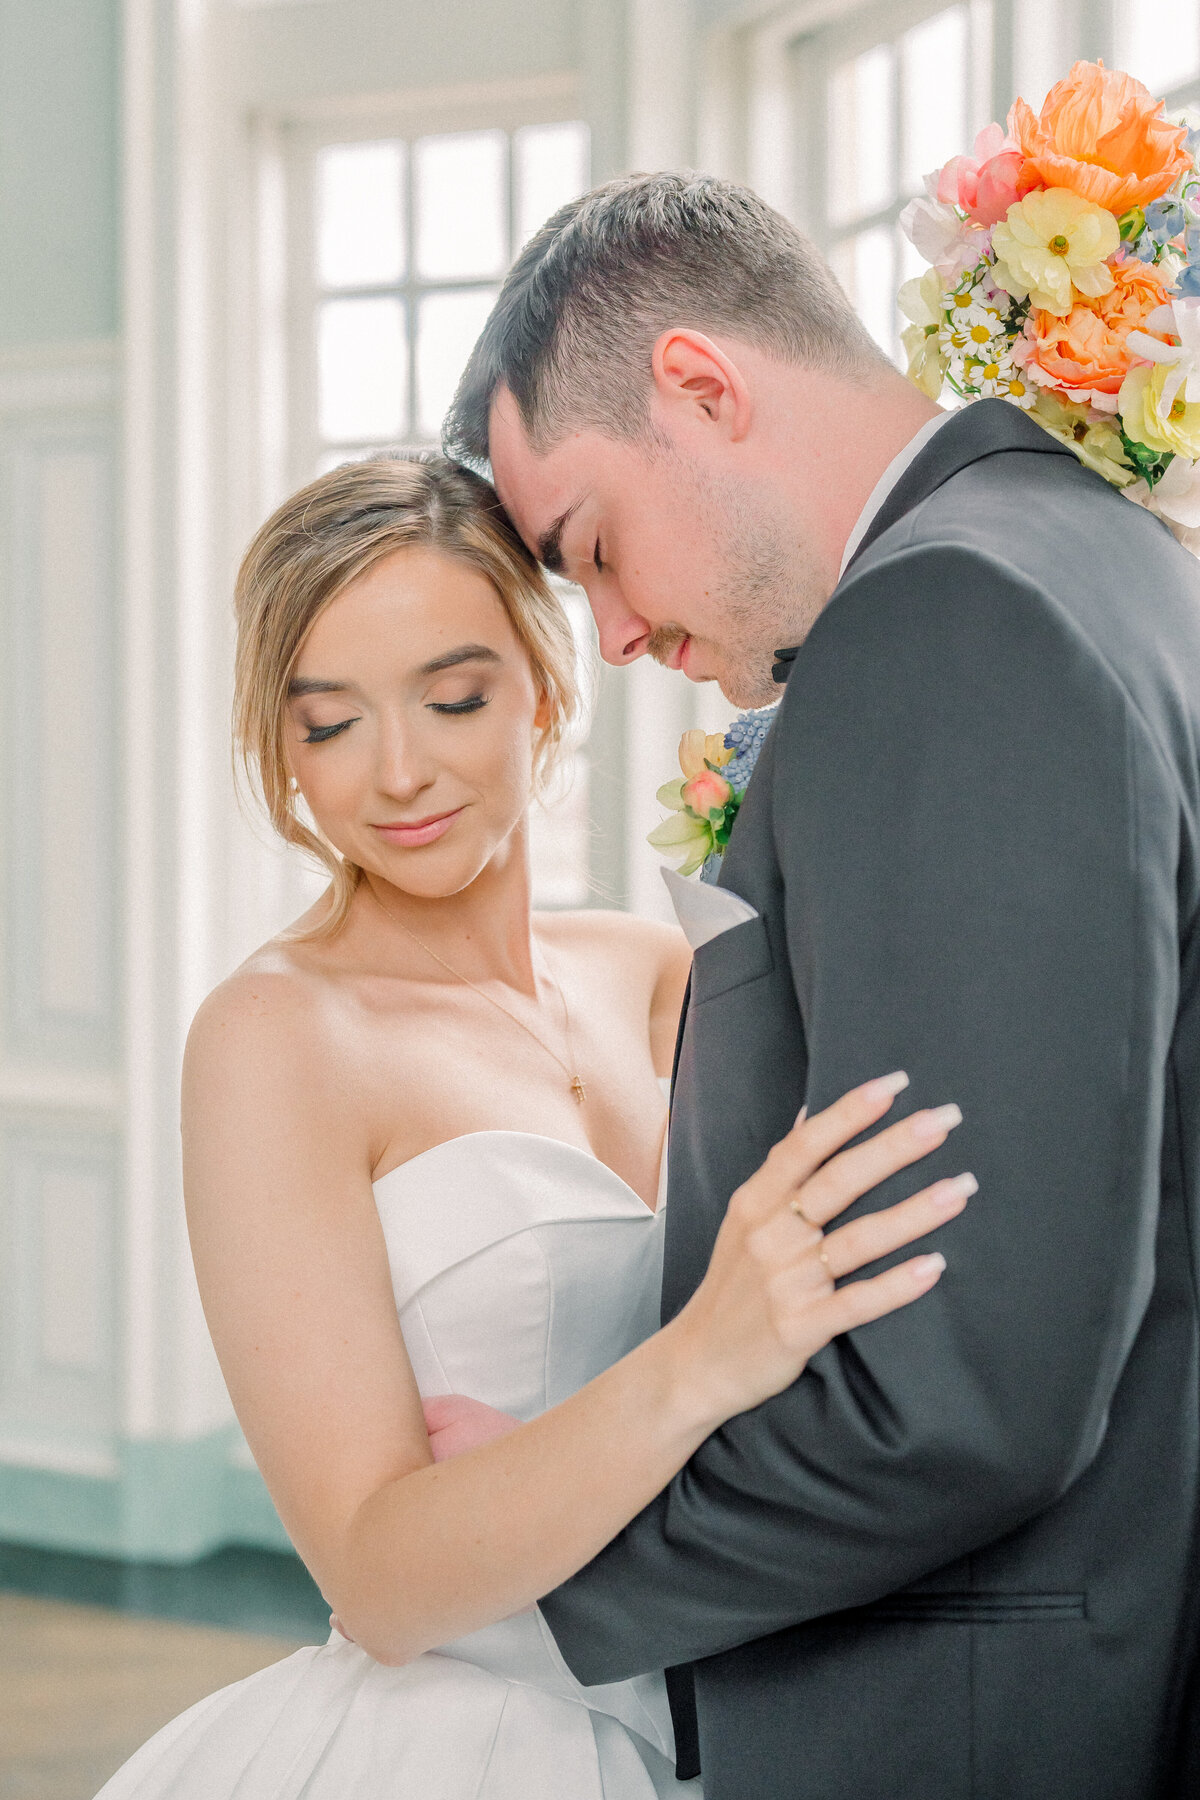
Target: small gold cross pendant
<point x="578" y="1089"/>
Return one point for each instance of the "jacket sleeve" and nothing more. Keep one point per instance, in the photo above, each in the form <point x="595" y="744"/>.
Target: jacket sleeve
<point x="978" y="842"/>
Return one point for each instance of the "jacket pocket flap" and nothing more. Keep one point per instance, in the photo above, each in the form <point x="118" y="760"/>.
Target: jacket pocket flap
<point x="741" y="954"/>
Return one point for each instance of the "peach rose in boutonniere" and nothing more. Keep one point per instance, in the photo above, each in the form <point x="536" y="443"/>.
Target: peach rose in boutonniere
<point x="1104" y="136"/>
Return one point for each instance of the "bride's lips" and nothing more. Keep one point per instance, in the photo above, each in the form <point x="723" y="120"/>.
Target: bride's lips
<point x="420" y="831"/>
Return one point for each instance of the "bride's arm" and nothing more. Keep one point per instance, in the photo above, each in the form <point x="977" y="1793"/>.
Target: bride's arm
<point x="293" y="1272"/>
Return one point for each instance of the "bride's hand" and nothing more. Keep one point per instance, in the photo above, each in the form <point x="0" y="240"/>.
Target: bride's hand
<point x="768" y="1301"/>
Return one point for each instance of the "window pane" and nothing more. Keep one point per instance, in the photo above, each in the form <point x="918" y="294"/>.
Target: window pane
<point x="866" y="267"/>
<point x="362" y="370"/>
<point x="551" y="167"/>
<point x="448" y="325"/>
<point x="1158" y="41"/>
<point x="462" y="205"/>
<point x="360" y="214"/>
<point x="934" y="86"/>
<point x="861" y="128"/>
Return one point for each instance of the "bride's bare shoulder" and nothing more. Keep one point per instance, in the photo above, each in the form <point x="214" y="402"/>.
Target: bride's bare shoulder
<point x="279" y="1005"/>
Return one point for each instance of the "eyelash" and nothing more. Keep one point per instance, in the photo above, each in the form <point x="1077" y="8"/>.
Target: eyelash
<point x="321" y="734"/>
<point x="459" y="706"/>
<point x="597" y="558"/>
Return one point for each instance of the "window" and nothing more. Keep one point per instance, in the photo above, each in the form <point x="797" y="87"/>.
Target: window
<point x="884" y="106"/>
<point x="411" y="240"/>
<point x="400" y="242"/>
<point x="1158" y="42"/>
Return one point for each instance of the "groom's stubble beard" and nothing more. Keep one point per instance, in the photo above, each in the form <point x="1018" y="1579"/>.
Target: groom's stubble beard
<point x="768" y="587"/>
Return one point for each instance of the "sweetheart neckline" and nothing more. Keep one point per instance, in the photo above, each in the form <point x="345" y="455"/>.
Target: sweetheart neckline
<point x="537" y="1137"/>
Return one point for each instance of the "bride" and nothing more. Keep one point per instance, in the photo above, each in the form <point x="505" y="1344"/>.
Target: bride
<point x="422" y="1135"/>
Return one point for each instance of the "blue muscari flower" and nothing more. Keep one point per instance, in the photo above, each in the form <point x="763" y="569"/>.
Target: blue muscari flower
<point x="745" y="737"/>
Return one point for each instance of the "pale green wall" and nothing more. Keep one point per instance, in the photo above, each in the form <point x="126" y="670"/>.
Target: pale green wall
<point x="58" y="170"/>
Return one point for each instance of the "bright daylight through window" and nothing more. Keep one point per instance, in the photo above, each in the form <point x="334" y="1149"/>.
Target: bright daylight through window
<point x="411" y="241"/>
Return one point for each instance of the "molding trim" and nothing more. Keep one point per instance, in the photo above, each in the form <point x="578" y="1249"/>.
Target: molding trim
<point x="429" y="107"/>
<point x="53" y="377"/>
<point x="163" y="1501"/>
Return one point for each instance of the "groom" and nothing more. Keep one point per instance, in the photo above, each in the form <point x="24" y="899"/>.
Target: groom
<point x="958" y="1559"/>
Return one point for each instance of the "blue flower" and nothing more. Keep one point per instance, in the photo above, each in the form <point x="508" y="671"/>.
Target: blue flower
<point x="1165" y="219"/>
<point x="745" y="737"/>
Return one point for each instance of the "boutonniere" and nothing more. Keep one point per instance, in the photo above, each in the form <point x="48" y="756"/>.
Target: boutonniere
<point x="704" y="799"/>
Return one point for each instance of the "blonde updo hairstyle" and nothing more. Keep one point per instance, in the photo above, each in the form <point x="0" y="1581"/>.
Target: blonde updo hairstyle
<point x="314" y="546"/>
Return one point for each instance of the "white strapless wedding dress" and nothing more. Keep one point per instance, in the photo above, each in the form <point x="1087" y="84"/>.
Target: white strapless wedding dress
<point x="521" y="1267"/>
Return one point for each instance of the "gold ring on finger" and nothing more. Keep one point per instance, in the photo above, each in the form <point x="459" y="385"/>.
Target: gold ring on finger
<point x="823" y="1257"/>
<point x="795" y="1206"/>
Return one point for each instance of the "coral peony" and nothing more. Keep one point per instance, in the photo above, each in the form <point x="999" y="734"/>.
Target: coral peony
<point x="987" y="184"/>
<point x="1104" y="136"/>
<point x="1085" y="355"/>
<point x="1053" y="244"/>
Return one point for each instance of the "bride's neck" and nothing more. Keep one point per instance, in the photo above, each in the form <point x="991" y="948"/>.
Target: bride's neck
<point x="485" y="932"/>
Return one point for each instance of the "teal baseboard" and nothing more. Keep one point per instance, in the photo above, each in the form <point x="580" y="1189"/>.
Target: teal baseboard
<point x="169" y="1502"/>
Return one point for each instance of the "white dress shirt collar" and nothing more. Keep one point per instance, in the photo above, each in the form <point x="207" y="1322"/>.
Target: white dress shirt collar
<point x="887" y="482"/>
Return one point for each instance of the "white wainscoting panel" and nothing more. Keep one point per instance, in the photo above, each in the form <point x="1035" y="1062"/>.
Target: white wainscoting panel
<point x="58" y="1218"/>
<point x="59" y="769"/>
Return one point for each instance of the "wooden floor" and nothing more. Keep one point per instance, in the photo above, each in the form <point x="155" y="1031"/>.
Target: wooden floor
<point x="82" y="1686"/>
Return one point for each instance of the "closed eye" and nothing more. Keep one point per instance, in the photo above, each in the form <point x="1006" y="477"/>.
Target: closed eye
<point x="597" y="558"/>
<point x="470" y="705"/>
<point x="320" y="734"/>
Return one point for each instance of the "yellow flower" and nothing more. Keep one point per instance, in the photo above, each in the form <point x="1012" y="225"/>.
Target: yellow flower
<point x="697" y="750"/>
<point x="1140" y="403"/>
<point x="1053" y="245"/>
<point x="921" y="302"/>
<point x="1097" y="443"/>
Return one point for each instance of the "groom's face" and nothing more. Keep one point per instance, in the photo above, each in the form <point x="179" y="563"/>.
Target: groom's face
<point x="680" y="561"/>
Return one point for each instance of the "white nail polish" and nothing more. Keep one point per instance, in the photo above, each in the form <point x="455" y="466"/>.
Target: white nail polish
<point x="936" y="1123"/>
<point x="886" y="1087"/>
<point x="928" y="1268"/>
<point x="960" y="1188"/>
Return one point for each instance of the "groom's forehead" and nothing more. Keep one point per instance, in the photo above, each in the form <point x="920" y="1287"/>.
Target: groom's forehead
<point x="537" y="491"/>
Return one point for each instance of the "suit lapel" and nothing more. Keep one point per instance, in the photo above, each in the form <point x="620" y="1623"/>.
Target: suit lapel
<point x="985" y="428"/>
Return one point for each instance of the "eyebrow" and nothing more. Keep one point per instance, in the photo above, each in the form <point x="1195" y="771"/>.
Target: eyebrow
<point x="464" y="654"/>
<point x="451" y="659"/>
<point x="550" y="543"/>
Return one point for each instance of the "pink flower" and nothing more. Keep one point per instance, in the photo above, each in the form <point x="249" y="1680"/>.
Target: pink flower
<point x="706" y="792"/>
<point x="991" y="181"/>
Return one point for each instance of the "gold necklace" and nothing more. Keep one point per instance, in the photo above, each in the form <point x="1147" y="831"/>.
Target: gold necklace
<point x="577" y="1087"/>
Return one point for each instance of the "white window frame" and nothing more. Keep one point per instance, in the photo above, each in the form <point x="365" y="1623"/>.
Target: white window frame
<point x="292" y="148"/>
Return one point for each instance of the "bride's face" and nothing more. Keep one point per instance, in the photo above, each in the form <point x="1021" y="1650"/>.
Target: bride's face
<point x="413" y="719"/>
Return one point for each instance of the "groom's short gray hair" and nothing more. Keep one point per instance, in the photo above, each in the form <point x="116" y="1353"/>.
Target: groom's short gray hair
<point x="572" y="331"/>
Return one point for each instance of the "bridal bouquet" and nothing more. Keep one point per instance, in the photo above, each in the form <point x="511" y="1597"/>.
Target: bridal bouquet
<point x="1065" y="278"/>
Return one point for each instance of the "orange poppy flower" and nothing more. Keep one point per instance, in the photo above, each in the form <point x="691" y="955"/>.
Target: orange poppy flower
<point x="1103" y="135"/>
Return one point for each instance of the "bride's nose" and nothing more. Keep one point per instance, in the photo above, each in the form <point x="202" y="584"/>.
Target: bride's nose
<point x="403" y="766"/>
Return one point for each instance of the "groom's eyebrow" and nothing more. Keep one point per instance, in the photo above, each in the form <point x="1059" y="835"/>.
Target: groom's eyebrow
<point x="550" y="543"/>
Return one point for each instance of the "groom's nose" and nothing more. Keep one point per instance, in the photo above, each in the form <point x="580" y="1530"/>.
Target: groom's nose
<point x="624" y="635"/>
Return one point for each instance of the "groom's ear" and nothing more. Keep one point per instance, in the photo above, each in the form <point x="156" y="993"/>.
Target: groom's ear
<point x="696" y="382"/>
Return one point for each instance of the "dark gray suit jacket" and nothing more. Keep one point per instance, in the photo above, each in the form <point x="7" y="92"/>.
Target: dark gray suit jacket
<point x="958" y="1558"/>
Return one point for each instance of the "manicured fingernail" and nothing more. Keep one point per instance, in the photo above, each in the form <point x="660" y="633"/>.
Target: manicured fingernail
<point x="951" y="1194"/>
<point x="926" y="1269"/>
<point x="886" y="1087"/>
<point x="937" y="1122"/>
